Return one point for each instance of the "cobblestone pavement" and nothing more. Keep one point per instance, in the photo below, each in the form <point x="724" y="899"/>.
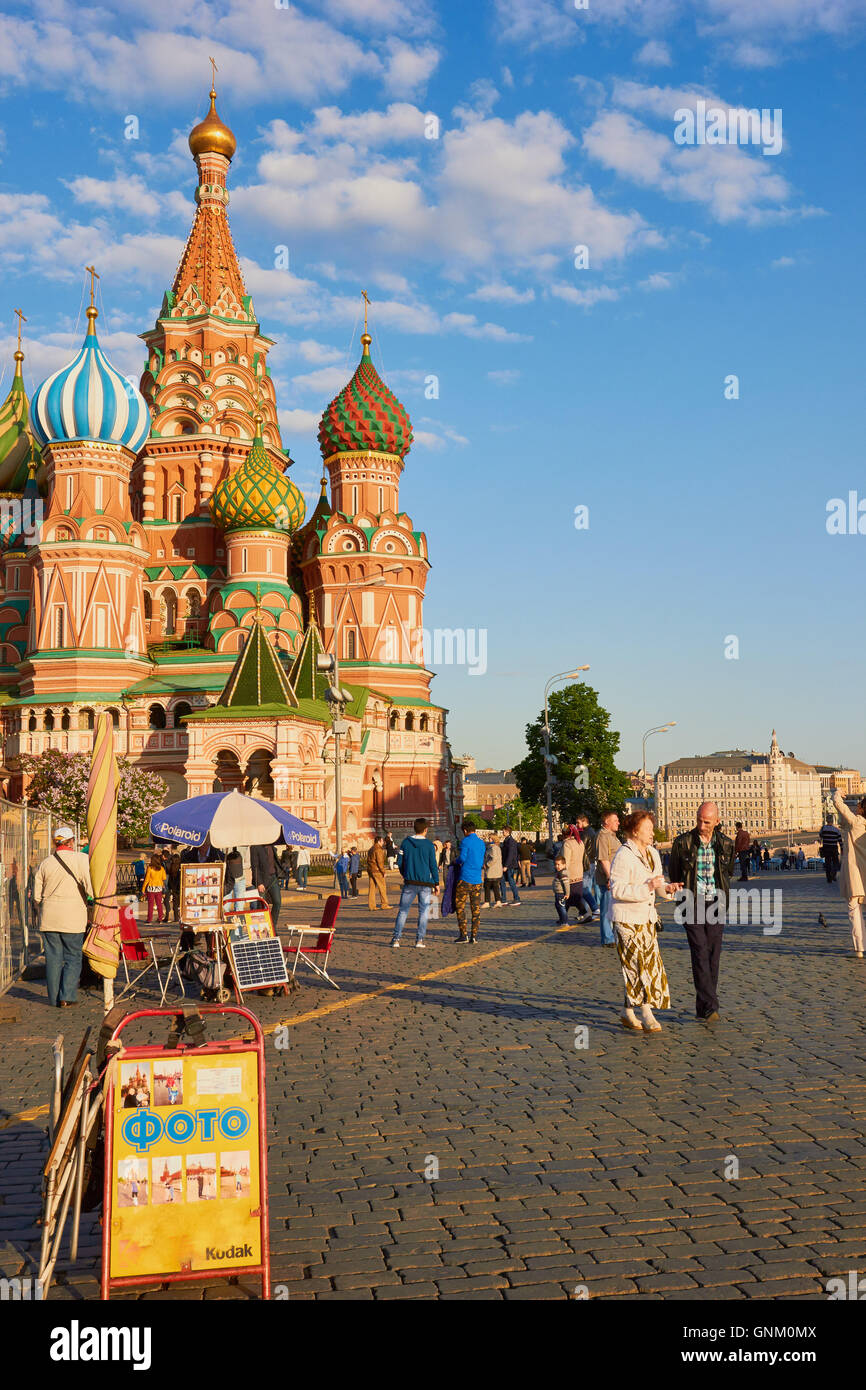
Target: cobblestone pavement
<point x="603" y="1168"/>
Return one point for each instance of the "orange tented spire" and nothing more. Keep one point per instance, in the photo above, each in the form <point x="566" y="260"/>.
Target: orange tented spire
<point x="209" y="279"/>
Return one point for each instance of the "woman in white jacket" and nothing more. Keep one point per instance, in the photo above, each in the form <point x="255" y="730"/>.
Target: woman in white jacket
<point x="635" y="878"/>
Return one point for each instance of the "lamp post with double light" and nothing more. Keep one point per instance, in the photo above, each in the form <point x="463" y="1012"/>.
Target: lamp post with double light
<point x="659" y="729"/>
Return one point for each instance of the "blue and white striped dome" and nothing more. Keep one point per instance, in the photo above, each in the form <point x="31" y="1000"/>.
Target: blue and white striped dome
<point x="89" y="399"/>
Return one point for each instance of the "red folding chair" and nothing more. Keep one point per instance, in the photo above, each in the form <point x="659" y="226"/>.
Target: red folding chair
<point x="324" y="940"/>
<point x="142" y="953"/>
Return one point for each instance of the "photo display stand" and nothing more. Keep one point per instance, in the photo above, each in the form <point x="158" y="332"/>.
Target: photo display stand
<point x="201" y="895"/>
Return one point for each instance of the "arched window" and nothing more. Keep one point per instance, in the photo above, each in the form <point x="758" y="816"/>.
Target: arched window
<point x="169" y="612"/>
<point x="86" y="719"/>
<point x="193" y="603"/>
<point x="350" y="645"/>
<point x="148" y="607"/>
<point x="31" y="724"/>
<point x="393" y="719"/>
<point x="48" y="722"/>
<point x="64" y="720"/>
<point x="410" y="722"/>
<point x="179" y="711"/>
<point x="58" y="627"/>
<point x="422" y="724"/>
<point x="115" y="718"/>
<point x="244" y="562"/>
<point x="156" y="717"/>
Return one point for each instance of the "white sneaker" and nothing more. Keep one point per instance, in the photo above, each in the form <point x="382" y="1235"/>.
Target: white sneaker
<point x="420" y="946"/>
<point x="395" y="944"/>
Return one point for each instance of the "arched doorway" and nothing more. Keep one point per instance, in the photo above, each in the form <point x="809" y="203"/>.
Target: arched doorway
<point x="257" y="779"/>
<point x="227" y="772"/>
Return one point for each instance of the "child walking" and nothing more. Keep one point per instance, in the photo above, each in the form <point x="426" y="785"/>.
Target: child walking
<point x="561" y="889"/>
<point x="154" y="887"/>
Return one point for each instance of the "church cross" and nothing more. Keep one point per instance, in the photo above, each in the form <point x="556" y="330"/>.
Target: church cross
<point x="93" y="278"/>
<point x="366" y="299"/>
<point x="214" y="71"/>
<point x="21" y="319"/>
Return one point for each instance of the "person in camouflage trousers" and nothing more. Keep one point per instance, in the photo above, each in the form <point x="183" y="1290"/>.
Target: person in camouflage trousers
<point x="470" y="871"/>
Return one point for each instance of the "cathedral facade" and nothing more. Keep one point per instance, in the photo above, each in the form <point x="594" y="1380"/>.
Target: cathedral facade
<point x="157" y="562"/>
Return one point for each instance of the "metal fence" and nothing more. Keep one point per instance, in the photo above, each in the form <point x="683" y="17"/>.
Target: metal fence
<point x="25" y="840"/>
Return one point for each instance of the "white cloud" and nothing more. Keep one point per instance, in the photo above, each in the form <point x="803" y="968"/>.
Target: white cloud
<point x="408" y="69"/>
<point x="783" y="263"/>
<point x="654" y="54"/>
<point x="733" y="182"/>
<point x="325" y="382"/>
<point x="503" y="294"/>
<point x="299" y="422"/>
<point x="401" y="121"/>
<point x="507" y="377"/>
<point x="439" y="437"/>
<point x="126" y="194"/>
<point x="318" y="354"/>
<point x="498" y="191"/>
<point x="784" y="24"/>
<point x="659" y="280"/>
<point x="585" y="299"/>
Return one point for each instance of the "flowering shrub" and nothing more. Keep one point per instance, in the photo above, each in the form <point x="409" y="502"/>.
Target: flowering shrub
<point x="59" y="785"/>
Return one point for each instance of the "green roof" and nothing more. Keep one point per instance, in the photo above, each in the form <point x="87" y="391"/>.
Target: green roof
<point x="178" y="571"/>
<point x="308" y="682"/>
<point x="258" y="678"/>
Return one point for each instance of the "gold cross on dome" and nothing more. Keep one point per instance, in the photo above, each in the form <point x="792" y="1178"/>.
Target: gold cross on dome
<point x="21" y="319"/>
<point x="91" y="270"/>
<point x="366" y="299"/>
<point x="214" y="71"/>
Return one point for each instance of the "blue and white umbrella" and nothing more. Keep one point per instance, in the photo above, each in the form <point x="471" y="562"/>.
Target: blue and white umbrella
<point x="229" y="818"/>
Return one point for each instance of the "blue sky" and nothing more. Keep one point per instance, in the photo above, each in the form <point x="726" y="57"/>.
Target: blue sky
<point x="559" y="387"/>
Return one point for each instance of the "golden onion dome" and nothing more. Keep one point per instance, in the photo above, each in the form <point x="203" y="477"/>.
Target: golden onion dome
<point x="212" y="136"/>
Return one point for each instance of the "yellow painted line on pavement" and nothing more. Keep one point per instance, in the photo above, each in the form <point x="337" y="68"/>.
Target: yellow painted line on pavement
<point x="353" y="999"/>
<point x="24" y="1115"/>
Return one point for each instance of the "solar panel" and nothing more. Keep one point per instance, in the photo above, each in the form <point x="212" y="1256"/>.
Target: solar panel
<point x="258" y="964"/>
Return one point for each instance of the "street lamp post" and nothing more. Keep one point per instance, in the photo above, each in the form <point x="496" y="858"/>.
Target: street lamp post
<point x="548" y="760"/>
<point x="659" y="729"/>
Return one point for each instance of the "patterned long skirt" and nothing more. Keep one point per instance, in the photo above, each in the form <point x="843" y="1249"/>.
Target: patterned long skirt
<point x="643" y="970"/>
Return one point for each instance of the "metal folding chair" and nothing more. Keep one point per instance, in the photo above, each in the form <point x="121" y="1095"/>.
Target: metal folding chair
<point x="324" y="940"/>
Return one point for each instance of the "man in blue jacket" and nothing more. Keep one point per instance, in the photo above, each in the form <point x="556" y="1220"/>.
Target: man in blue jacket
<point x="470" y="870"/>
<point x="416" y="860"/>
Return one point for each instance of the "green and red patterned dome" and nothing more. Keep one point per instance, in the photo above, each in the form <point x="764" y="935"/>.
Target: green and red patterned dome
<point x="257" y="495"/>
<point x="365" y="415"/>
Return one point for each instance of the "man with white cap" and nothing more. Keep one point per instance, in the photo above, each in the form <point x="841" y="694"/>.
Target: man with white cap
<point x="61" y="890"/>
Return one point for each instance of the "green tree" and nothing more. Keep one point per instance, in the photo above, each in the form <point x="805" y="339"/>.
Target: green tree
<point x="58" y="783"/>
<point x="519" y="814"/>
<point x="585" y="747"/>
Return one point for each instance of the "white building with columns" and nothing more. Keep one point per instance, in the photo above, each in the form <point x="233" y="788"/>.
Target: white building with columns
<point x="768" y="792"/>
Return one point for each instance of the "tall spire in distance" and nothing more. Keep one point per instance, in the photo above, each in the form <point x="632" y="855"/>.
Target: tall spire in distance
<point x="209" y="278"/>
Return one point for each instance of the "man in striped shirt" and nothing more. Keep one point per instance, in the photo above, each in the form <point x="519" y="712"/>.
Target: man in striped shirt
<point x="830" y="837"/>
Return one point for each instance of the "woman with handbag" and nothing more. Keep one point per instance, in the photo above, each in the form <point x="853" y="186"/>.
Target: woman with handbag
<point x="61" y="889"/>
<point x="635" y="878"/>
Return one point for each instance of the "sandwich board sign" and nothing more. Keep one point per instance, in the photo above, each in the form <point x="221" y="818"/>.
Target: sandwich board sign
<point x="185" y="1195"/>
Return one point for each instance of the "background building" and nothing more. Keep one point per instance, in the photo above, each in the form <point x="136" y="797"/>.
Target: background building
<point x="767" y="792"/>
<point x="489" y="789"/>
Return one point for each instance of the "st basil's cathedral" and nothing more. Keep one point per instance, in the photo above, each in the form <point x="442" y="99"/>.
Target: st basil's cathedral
<point x="176" y="581"/>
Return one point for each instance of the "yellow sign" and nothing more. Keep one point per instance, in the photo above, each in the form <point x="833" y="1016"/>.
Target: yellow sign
<point x="185" y="1179"/>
